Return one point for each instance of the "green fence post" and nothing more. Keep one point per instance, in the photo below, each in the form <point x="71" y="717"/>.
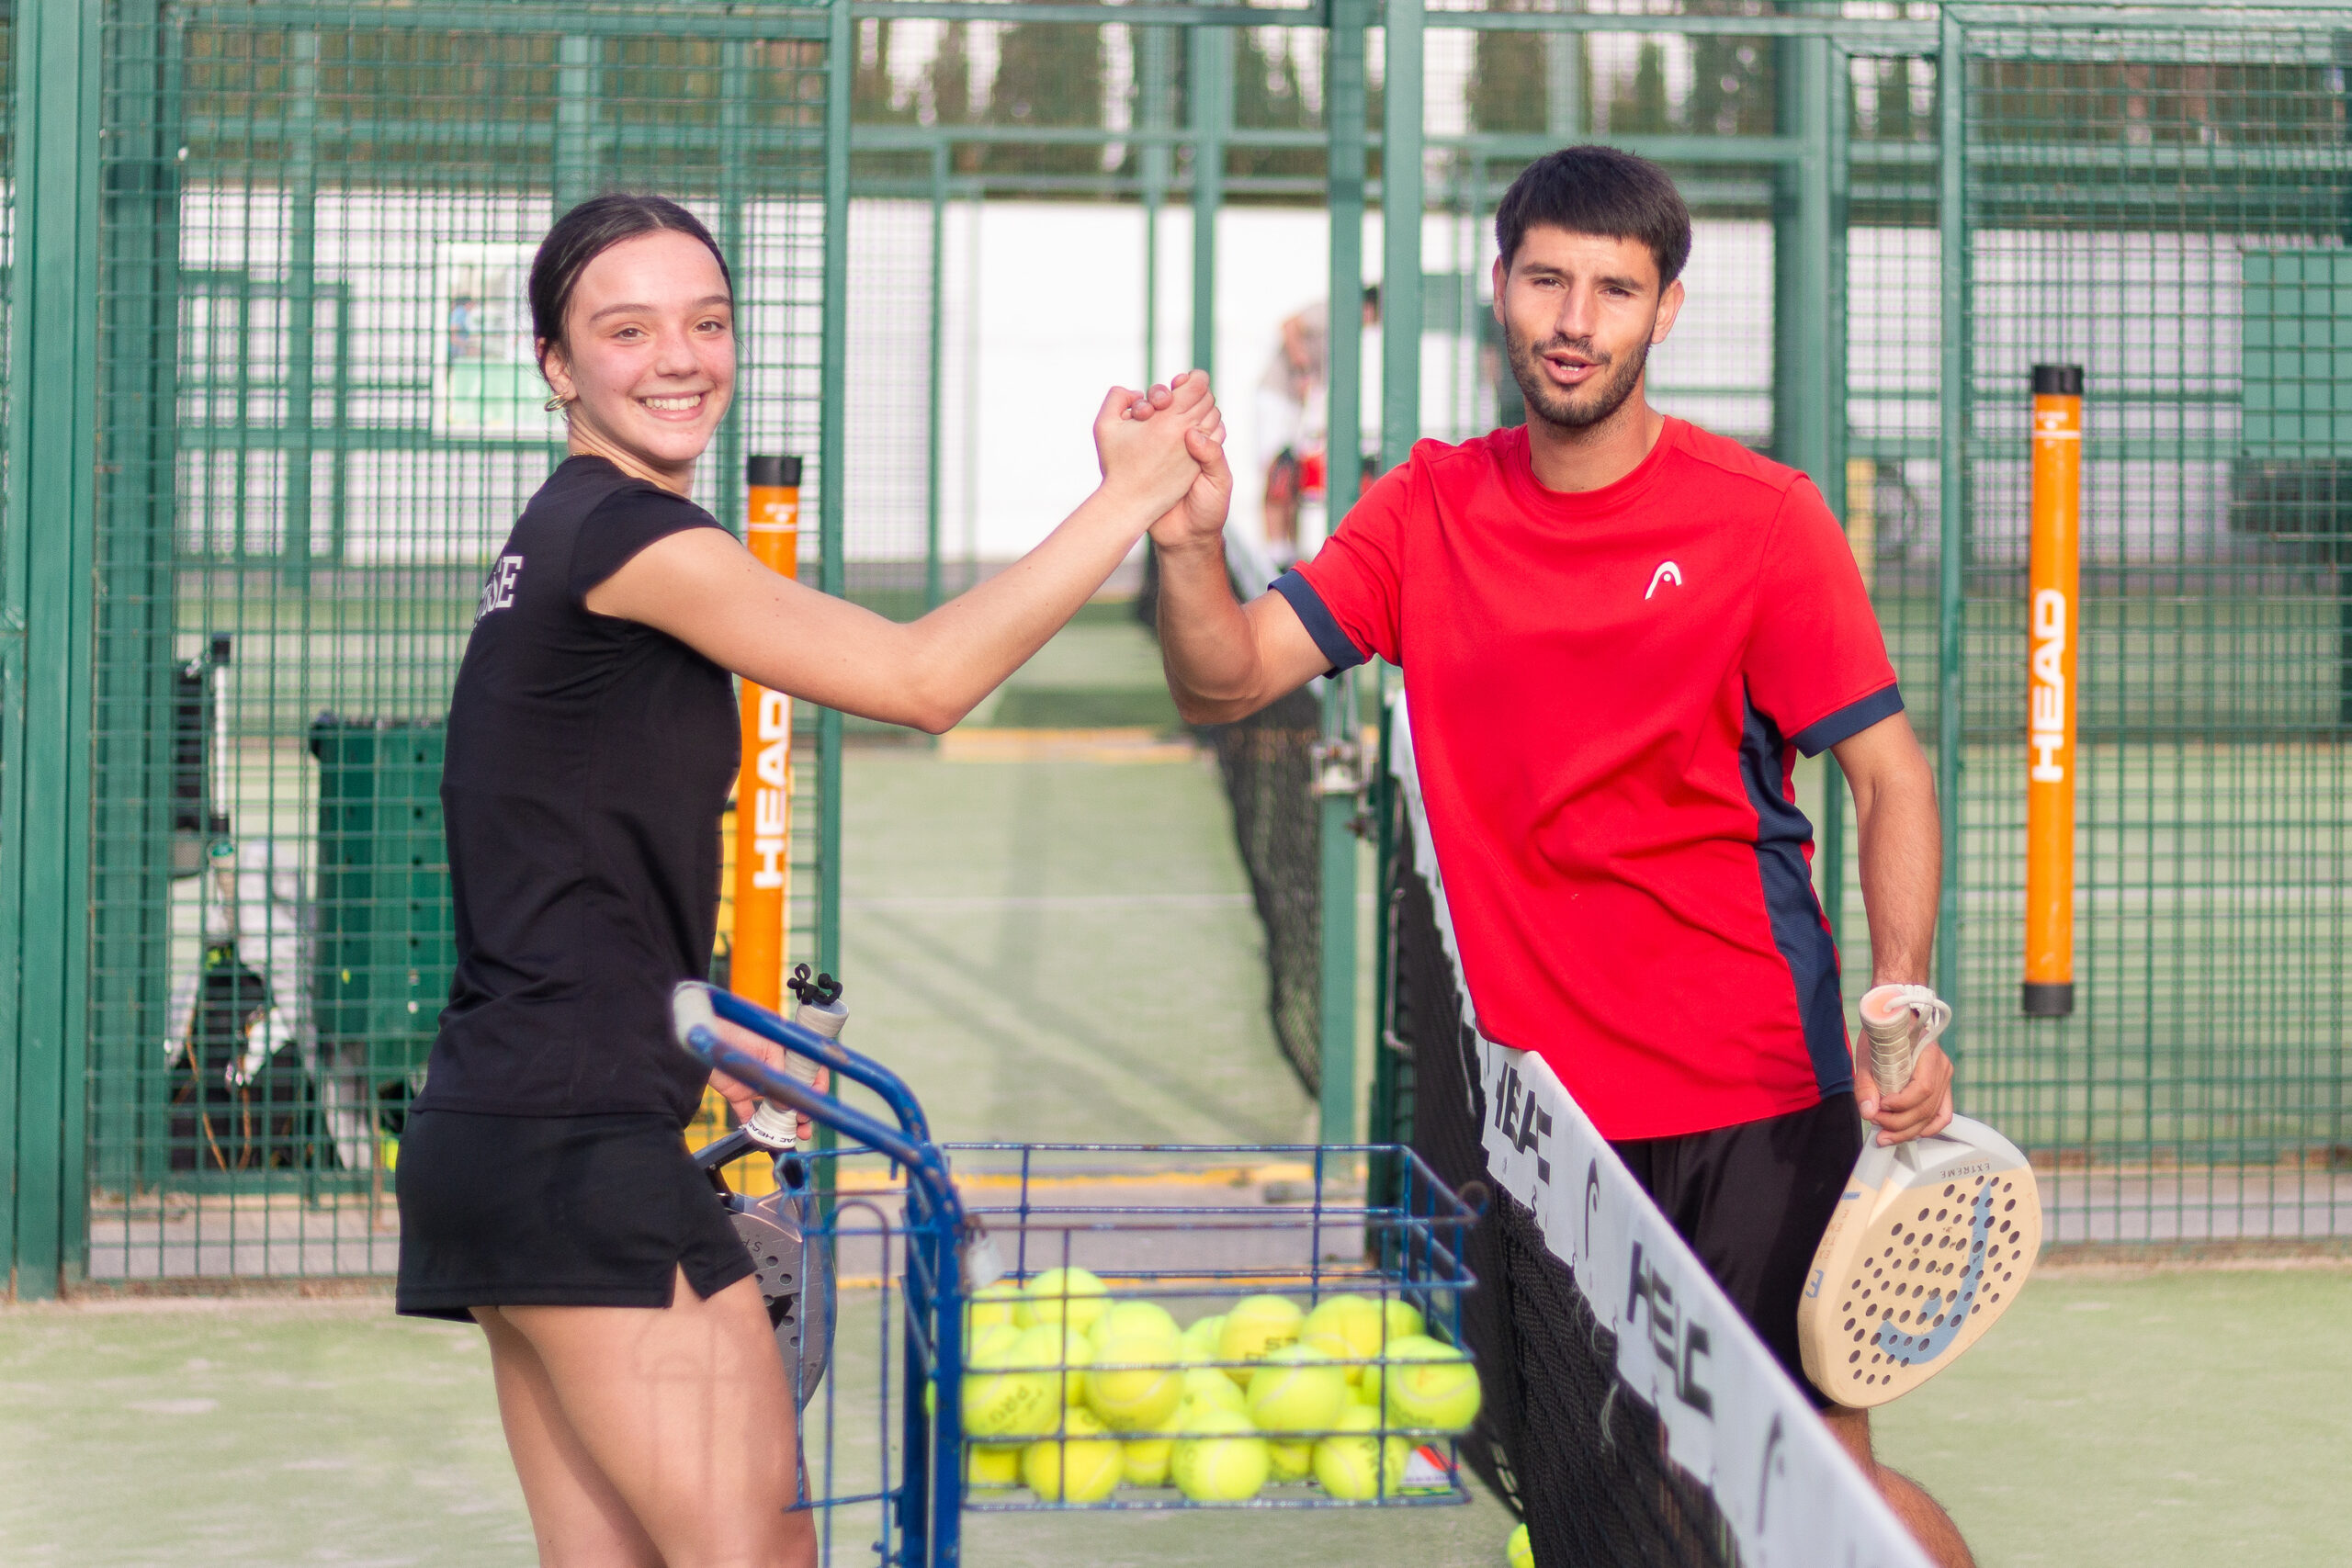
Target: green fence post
<point x="131" y="671"/>
<point x="1155" y="114"/>
<point x="1400" y="235"/>
<point x="1210" y="89"/>
<point x="1339" y="780"/>
<point x="1952" y="447"/>
<point x="934" y="385"/>
<point x="576" y="115"/>
<point x="301" y="307"/>
<point x="833" y="576"/>
<point x="47" y="580"/>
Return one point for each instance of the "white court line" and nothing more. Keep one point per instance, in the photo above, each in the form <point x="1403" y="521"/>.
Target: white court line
<point x="987" y="903"/>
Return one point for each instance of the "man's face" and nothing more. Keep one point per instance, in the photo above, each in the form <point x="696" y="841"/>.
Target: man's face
<point x="1578" y="314"/>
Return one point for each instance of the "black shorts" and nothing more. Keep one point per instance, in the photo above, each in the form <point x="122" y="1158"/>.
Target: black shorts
<point x="1752" y="1200"/>
<point x="555" y="1211"/>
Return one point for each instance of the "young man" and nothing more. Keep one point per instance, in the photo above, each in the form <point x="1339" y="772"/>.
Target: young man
<point x="1618" y="631"/>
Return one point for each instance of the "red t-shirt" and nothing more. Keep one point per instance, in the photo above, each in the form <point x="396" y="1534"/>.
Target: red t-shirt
<point x="1608" y="689"/>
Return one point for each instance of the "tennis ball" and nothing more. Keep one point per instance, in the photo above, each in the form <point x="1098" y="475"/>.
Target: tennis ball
<point x="1133" y="1384"/>
<point x="1347" y="1329"/>
<point x="1078" y="1464"/>
<point x="1219" y="1457"/>
<point x="1520" y="1551"/>
<point x="1357" y="1462"/>
<point x="1255" y="1325"/>
<point x="1146" y="1459"/>
<point x="1064" y="1295"/>
<point x="1289" y="1461"/>
<point x="1009" y="1393"/>
<point x="1209" y="1389"/>
<point x="1296" y="1390"/>
<point x="1435" y="1386"/>
<point x="1199" y="1344"/>
<point x="1063" y="1349"/>
<point x="1129" y="1320"/>
<point x="992" y="1306"/>
<point x="991" y="1465"/>
<point x="1415" y="1347"/>
<point x="989" y="1343"/>
<point x="1405" y="1320"/>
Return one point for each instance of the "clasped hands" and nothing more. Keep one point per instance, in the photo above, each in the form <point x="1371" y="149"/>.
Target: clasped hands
<point x="1164" y="448"/>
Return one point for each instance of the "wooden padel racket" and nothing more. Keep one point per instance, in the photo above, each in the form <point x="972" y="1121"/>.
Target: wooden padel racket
<point x="1930" y="1243"/>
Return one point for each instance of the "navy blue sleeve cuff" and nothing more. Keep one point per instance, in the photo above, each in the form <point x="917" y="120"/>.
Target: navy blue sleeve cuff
<point x="1316" y="617"/>
<point x="1852" y="719"/>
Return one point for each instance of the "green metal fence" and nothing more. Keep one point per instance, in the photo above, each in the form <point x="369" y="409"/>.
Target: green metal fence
<point x="317" y="417"/>
<point x="268" y="293"/>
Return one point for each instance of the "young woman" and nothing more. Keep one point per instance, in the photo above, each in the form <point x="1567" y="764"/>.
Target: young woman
<point x="545" y="1190"/>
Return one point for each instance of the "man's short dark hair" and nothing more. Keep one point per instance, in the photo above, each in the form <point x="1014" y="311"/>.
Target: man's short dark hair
<point x="1598" y="190"/>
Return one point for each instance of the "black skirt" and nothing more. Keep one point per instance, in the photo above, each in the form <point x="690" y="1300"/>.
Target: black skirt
<point x="555" y="1211"/>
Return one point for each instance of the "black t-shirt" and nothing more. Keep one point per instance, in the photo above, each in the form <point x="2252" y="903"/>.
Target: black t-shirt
<point x="589" y="758"/>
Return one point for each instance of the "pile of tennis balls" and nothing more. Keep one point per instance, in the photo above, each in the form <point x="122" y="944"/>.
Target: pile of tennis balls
<point x="1073" y="1393"/>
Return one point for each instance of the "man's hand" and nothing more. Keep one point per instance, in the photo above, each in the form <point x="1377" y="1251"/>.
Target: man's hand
<point x="741" y="1098"/>
<point x="1920" y="1108"/>
<point x="1150" y="444"/>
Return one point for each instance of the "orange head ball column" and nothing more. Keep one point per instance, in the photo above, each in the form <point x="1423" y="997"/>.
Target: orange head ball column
<point x="764" y="787"/>
<point x="2053" y="631"/>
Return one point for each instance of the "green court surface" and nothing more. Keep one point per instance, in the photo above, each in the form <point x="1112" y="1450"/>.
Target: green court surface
<point x="2167" y="1420"/>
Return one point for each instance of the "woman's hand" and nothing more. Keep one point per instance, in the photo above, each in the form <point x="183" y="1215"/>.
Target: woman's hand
<point x="741" y="1098"/>
<point x="1145" y="441"/>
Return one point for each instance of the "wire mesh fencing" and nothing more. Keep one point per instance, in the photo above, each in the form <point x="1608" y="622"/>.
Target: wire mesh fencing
<point x="321" y="413"/>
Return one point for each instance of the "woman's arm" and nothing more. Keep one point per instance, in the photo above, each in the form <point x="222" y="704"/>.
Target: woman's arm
<point x="708" y="591"/>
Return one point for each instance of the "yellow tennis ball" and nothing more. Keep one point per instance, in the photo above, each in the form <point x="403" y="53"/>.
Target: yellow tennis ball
<point x="990" y="1343"/>
<point x="1289" y="1461"/>
<point x="1405" y="1320"/>
<point x="1064" y="1295"/>
<point x="1209" y="1389"/>
<point x="1078" y="1464"/>
<point x="1412" y="1348"/>
<point x="1199" y="1345"/>
<point x="1146" y="1459"/>
<point x="1520" y="1551"/>
<point x="1009" y="1393"/>
<point x="992" y="1306"/>
<point x="1064" y="1350"/>
<point x="1296" y="1390"/>
<point x="991" y="1465"/>
<point x="1131" y="1320"/>
<point x="1220" y="1458"/>
<point x="1133" y="1384"/>
<point x="1255" y="1325"/>
<point x="1348" y="1329"/>
<point x="1426" y="1390"/>
<point x="1357" y="1462"/>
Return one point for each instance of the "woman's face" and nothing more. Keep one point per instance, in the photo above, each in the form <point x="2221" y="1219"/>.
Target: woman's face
<point x="648" y="360"/>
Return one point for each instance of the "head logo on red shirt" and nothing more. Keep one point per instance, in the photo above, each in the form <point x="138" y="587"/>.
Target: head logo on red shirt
<point x="1667" y="572"/>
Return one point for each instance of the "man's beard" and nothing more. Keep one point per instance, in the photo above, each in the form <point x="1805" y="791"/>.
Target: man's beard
<point x="1582" y="407"/>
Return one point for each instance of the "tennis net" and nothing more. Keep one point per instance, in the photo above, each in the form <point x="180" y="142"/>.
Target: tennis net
<point x="1631" y="1416"/>
<point x="1267" y="762"/>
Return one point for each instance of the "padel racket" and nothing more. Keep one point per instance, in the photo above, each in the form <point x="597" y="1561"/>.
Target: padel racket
<point x="1930" y="1243"/>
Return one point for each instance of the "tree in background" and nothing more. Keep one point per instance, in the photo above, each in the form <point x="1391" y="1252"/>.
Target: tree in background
<point x="1639" y="107"/>
<point x="875" y="96"/>
<point x="1267" y="96"/>
<point x="1510" y="78"/>
<point x="1732" y="87"/>
<point x="1049" y="75"/>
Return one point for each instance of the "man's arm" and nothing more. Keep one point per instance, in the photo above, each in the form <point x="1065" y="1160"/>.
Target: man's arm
<point x="1224" y="661"/>
<point x="1901" y="846"/>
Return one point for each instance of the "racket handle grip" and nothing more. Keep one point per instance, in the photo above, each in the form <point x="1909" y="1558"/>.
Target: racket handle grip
<point x="1892" y="1030"/>
<point x="774" y="1126"/>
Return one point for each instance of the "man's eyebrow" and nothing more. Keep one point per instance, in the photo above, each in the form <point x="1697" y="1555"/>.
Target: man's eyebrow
<point x="625" y="308"/>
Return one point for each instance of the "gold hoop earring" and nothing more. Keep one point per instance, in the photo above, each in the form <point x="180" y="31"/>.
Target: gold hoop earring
<point x="556" y="404"/>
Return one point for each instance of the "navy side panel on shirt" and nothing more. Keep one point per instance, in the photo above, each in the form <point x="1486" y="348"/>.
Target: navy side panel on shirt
<point x="589" y="758"/>
<point x="1798" y="929"/>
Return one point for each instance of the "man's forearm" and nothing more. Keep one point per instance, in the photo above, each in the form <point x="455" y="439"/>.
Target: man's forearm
<point x="1204" y="637"/>
<point x="1900" y="838"/>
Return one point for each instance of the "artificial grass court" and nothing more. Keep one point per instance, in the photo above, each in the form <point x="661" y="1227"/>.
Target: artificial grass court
<point x="2170" y="1420"/>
